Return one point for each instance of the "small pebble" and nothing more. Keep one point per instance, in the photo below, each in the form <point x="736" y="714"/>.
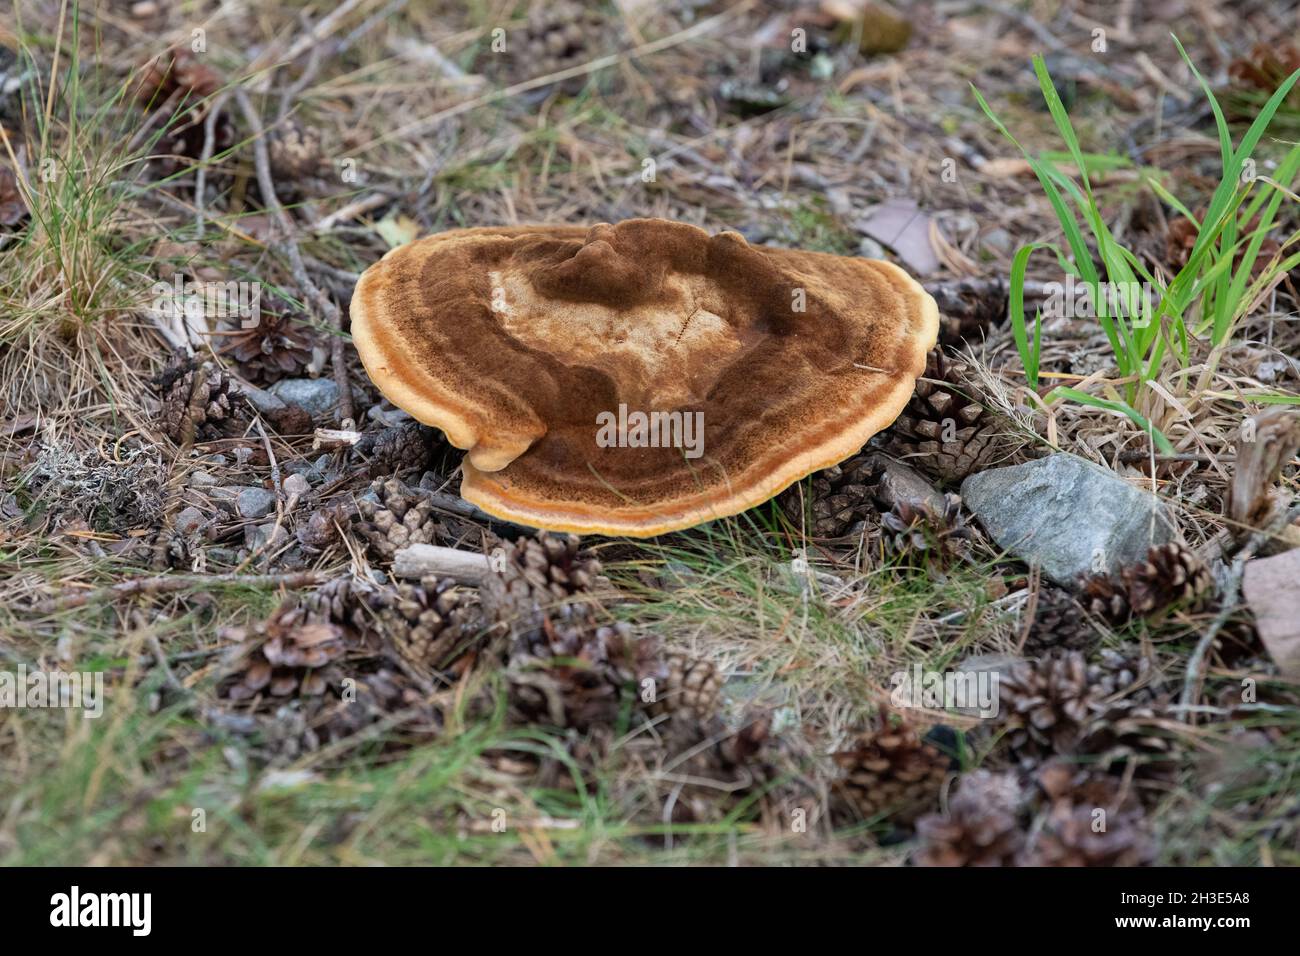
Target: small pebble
<point x="296" y="485"/>
<point x="189" y="521"/>
<point x="255" y="502"/>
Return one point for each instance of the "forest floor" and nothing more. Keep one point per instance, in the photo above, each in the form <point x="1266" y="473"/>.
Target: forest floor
<point x="187" y="514"/>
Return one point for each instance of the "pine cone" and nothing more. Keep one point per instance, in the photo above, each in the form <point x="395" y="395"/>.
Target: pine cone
<point x="272" y="349"/>
<point x="1046" y="704"/>
<point x="981" y="826"/>
<point x="394" y="516"/>
<point x="294" y="151"/>
<point x="708" y="766"/>
<point x="839" y="499"/>
<point x="1131" y="676"/>
<point x="377" y="695"/>
<point x="911" y="529"/>
<point x="431" y="624"/>
<point x="692" y="688"/>
<point x="1181" y="236"/>
<point x="580" y="680"/>
<point x="1060" y="623"/>
<point x="559" y="34"/>
<point x="967" y="311"/>
<point x="944" y="431"/>
<point x="890" y="769"/>
<point x="1169" y="574"/>
<point x="1089" y="821"/>
<point x="397" y="449"/>
<point x="216" y="407"/>
<point x="1130" y="701"/>
<point x="283" y="656"/>
<point x="320" y="531"/>
<point x="541" y="595"/>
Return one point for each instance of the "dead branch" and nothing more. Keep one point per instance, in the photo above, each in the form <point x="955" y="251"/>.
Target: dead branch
<point x="424" y="560"/>
<point x="170" y="583"/>
<point x="289" y="247"/>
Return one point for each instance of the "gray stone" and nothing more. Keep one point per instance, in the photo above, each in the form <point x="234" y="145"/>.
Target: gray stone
<point x="202" y="479"/>
<point x="189" y="521"/>
<point x="266" y="403"/>
<point x="901" y="484"/>
<point x="868" y="248"/>
<point x="319" y="396"/>
<point x="222" y="557"/>
<point x="997" y="240"/>
<point x="1067" y="515"/>
<point x="387" y="416"/>
<point x="267" y="535"/>
<point x="296" y="485"/>
<point x="255" y="502"/>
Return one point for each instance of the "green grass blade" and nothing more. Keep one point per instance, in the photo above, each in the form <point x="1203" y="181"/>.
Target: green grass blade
<point x="1083" y="398"/>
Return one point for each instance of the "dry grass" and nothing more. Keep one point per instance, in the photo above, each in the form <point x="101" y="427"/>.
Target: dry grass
<point x="408" y="97"/>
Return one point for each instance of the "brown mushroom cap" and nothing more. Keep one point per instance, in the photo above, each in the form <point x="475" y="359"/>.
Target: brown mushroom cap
<point x="514" y="340"/>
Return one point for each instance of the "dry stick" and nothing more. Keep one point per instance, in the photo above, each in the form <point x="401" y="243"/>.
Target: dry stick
<point x="165" y="110"/>
<point x="323" y="28"/>
<point x="1196" y="661"/>
<point x="205" y="156"/>
<point x="169" y="676"/>
<point x="168" y="583"/>
<point x="289" y="247"/>
<point x="418" y="561"/>
<point x="954" y="289"/>
<point x="291" y="91"/>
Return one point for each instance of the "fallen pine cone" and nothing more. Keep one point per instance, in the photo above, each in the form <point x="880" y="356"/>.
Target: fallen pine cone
<point x="1170" y="574"/>
<point x="890" y="769"/>
<point x="981" y="826"/>
<point x="1089" y="821"/>
<point x="393" y="516"/>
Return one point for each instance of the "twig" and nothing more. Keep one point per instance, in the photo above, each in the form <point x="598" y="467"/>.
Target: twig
<point x="289" y="246"/>
<point x="168" y="583"/>
<point x="205" y="157"/>
<point x="323" y="28"/>
<point x="350" y="211"/>
<point x="1137" y="454"/>
<point x="953" y="290"/>
<point x="169" y="676"/>
<point x="292" y="91"/>
<point x="422" y="560"/>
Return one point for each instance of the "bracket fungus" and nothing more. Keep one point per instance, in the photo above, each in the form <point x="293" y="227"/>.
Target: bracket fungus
<point x="638" y="378"/>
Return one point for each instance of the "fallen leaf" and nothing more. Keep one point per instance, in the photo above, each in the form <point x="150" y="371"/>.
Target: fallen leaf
<point x="1272" y="589"/>
<point x="1265" y="444"/>
<point x="397" y="230"/>
<point x="903" y="227"/>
